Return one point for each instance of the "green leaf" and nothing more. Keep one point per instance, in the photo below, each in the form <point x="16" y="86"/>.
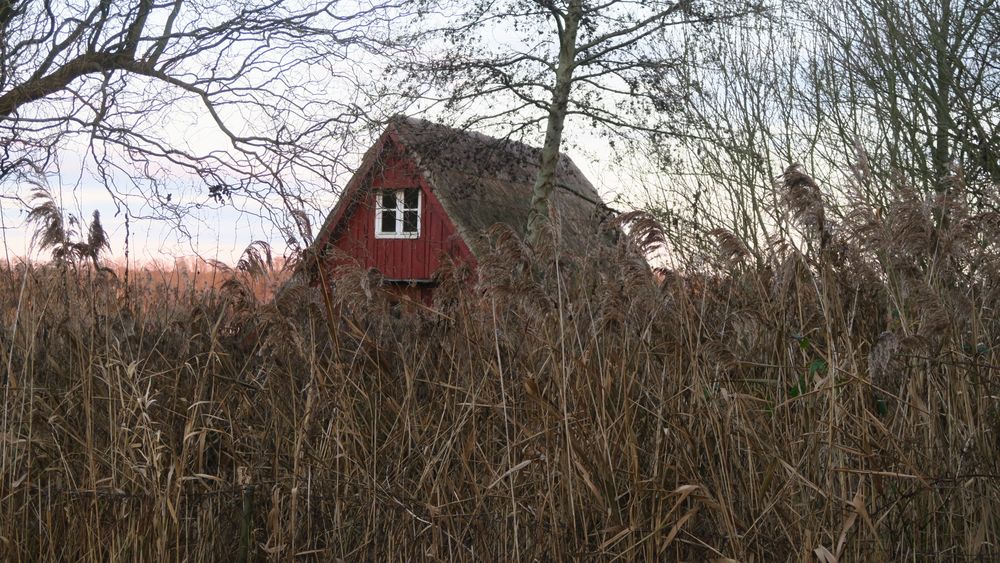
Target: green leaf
<point x="797" y="389"/>
<point x="817" y="366"/>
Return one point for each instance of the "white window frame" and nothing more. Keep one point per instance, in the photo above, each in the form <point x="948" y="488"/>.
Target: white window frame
<point x="399" y="209"/>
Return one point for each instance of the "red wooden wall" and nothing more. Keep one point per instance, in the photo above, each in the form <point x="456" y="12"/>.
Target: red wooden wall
<point x="399" y="259"/>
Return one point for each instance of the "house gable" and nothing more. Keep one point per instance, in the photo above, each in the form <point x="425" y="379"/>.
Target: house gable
<point x="351" y="227"/>
<point x="468" y="182"/>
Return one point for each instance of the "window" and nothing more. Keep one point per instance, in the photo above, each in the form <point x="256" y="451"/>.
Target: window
<point x="398" y="213"/>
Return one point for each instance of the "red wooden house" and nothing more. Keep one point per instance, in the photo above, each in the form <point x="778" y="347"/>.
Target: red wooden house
<point x="425" y="192"/>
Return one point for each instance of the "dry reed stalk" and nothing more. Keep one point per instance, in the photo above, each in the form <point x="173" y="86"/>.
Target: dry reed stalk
<point x="795" y="406"/>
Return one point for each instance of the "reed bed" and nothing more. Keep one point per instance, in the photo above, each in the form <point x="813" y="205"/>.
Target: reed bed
<point x="835" y="399"/>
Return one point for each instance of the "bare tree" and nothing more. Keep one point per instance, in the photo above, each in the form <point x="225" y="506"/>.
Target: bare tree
<point x="927" y="72"/>
<point x="752" y="115"/>
<point x="272" y="81"/>
<point x="614" y="63"/>
<point x="865" y="94"/>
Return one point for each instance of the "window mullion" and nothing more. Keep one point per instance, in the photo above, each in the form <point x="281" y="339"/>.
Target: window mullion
<point x="400" y="206"/>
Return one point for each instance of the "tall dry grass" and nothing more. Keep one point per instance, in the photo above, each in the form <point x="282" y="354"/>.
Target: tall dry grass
<point x="837" y="399"/>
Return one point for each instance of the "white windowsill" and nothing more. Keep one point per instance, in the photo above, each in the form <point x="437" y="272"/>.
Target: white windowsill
<point x="397" y="235"/>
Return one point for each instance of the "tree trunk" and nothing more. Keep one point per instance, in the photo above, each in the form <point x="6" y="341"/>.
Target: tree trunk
<point x="941" y="154"/>
<point x="942" y="98"/>
<point x="538" y="217"/>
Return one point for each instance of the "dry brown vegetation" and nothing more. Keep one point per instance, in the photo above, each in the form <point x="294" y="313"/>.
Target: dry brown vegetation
<point x="834" y="399"/>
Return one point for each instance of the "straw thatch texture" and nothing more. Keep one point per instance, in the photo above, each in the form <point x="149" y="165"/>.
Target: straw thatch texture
<point x="482" y="181"/>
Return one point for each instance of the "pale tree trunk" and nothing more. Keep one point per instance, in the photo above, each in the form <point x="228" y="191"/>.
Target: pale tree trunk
<point x="941" y="155"/>
<point x="541" y="193"/>
<point x="942" y="98"/>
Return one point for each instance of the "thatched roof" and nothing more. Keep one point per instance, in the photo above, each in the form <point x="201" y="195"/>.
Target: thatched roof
<point x="481" y="181"/>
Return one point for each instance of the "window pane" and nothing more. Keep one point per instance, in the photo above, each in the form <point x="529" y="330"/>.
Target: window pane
<point x="410" y="221"/>
<point x="411" y="198"/>
<point x="388" y="221"/>
<point x="389" y="199"/>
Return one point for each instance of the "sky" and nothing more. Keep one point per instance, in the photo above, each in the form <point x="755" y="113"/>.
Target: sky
<point x="206" y="228"/>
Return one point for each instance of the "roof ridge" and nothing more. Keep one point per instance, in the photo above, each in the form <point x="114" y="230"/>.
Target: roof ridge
<point x="419" y="121"/>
